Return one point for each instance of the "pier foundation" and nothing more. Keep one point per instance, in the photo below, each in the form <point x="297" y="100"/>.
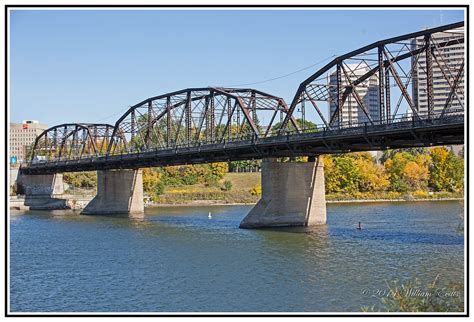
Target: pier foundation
<point x="292" y="195"/>
<point x="118" y="192"/>
<point x="42" y="191"/>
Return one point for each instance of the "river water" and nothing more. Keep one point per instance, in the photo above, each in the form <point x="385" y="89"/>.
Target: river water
<point x="176" y="259"/>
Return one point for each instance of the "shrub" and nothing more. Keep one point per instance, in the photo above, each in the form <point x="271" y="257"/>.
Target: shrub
<point x="399" y="185"/>
<point x="211" y="179"/>
<point x="420" y="194"/>
<point x="159" y="188"/>
<point x="411" y="296"/>
<point x="227" y="185"/>
<point x="256" y="190"/>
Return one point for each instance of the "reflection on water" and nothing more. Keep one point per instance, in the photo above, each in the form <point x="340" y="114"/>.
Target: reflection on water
<point x="178" y="259"/>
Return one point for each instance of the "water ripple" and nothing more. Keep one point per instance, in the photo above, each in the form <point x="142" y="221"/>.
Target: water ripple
<point x="178" y="260"/>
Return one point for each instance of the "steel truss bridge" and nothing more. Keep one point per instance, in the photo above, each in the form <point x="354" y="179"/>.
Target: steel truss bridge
<point x="211" y="124"/>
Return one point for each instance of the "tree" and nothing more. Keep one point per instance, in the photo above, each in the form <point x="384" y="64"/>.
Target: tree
<point x="245" y="165"/>
<point x="192" y="174"/>
<point x="415" y="175"/>
<point x="455" y="172"/>
<point x="341" y="174"/>
<point x="353" y="172"/>
<point x="446" y="171"/>
<point x="86" y="179"/>
<point x="152" y="184"/>
<point x="306" y="125"/>
<point x="373" y="177"/>
<point x="388" y="154"/>
<point x="331" y="174"/>
<point x="214" y="172"/>
<point x="438" y="170"/>
<point x="408" y="170"/>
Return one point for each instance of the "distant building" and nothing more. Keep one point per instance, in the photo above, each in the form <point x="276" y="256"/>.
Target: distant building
<point x="367" y="90"/>
<point x="450" y="59"/>
<point x="22" y="136"/>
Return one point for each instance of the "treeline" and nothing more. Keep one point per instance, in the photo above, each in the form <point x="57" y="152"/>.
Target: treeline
<point x="408" y="170"/>
<point x="398" y="171"/>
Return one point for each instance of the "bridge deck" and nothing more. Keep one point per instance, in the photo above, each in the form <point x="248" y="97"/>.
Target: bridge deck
<point x="403" y="134"/>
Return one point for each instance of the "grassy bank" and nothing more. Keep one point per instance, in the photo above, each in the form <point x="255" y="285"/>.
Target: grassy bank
<point x="243" y="183"/>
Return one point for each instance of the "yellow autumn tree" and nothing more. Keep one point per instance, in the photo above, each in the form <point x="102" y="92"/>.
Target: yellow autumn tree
<point x="446" y="170"/>
<point x="415" y="174"/>
<point x="152" y="184"/>
<point x="373" y="177"/>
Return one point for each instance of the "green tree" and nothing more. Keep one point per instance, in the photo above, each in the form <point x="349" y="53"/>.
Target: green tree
<point x="86" y="179"/>
<point x="408" y="170"/>
<point x="306" y="125"/>
<point x="245" y="165"/>
<point x="455" y="173"/>
<point x="349" y="174"/>
<point x="446" y="171"/>
<point x="388" y="154"/>
<point x="341" y="173"/>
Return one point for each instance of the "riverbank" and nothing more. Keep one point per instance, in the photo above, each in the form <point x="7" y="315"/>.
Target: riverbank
<point x="204" y="203"/>
<point x="78" y="204"/>
<point x="244" y="189"/>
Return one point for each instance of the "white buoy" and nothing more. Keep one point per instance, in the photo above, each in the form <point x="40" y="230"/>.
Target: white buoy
<point x="209" y="216"/>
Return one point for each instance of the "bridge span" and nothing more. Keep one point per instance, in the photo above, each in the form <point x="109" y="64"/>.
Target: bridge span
<point x="401" y="76"/>
<point x="401" y="133"/>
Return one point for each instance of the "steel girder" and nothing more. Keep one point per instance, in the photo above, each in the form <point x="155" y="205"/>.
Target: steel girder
<point x="402" y="133"/>
<point x="352" y="81"/>
<point x="72" y="141"/>
<point x="197" y="115"/>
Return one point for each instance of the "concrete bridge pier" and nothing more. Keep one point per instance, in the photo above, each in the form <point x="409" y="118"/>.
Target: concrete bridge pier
<point x="292" y="195"/>
<point x="42" y="191"/>
<point x="118" y="192"/>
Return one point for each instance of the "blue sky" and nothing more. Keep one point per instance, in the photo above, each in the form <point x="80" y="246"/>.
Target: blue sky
<point x="89" y="66"/>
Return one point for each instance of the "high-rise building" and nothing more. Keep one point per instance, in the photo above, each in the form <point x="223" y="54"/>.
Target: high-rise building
<point x="368" y="91"/>
<point x="449" y="60"/>
<point x="22" y="136"/>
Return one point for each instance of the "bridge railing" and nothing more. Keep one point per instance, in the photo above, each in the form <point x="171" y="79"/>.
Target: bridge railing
<point x="399" y="122"/>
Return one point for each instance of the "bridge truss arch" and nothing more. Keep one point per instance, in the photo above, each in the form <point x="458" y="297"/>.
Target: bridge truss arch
<point x="72" y="141"/>
<point x="394" y="74"/>
<point x="196" y="116"/>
